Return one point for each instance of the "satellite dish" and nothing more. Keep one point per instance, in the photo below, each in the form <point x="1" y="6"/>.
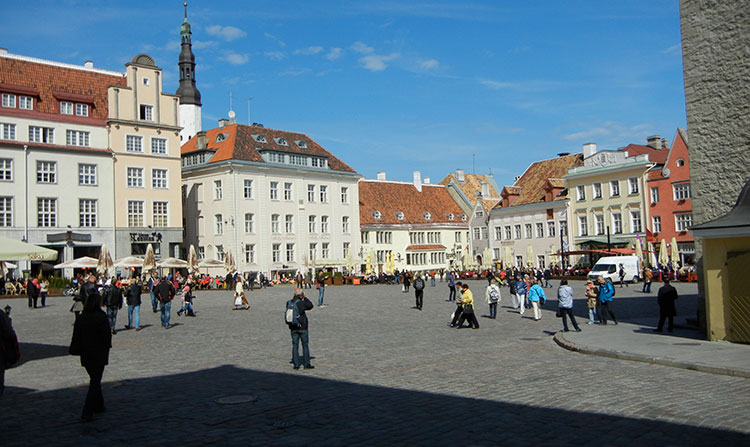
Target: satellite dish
<point x="231" y="114"/>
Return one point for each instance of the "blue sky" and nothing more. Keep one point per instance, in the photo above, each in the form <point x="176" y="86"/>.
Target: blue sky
<point x="398" y="86"/>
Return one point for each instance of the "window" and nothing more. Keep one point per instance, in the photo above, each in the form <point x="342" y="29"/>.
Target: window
<point x="289" y="252"/>
<point x="218" y="190"/>
<point x="66" y="108"/>
<point x="77" y="138"/>
<point x="26" y="102"/>
<point x="345" y="250"/>
<point x="583" y="226"/>
<point x="476" y="233"/>
<point x="344" y="195"/>
<point x="599" y="223"/>
<point x="617" y="223"/>
<point x="683" y="221"/>
<point x="160" y="215"/>
<point x="324" y="224"/>
<point x="635" y="222"/>
<point x="46" y="212"/>
<point x="508" y="233"/>
<point x="656" y="224"/>
<point x="46" y="172"/>
<point x="287" y="191"/>
<point x="276" y="253"/>
<point x="614" y="188"/>
<point x="135" y="177"/>
<point x="135" y="213"/>
<point x="86" y="174"/>
<point x="274" y="191"/>
<point x="134" y="143"/>
<point x="218" y="224"/>
<point x="289" y="223"/>
<point x="563" y="228"/>
<point x="345" y="224"/>
<point x="498" y="233"/>
<point x="201" y="253"/>
<point x="6" y="169"/>
<point x="399" y="215"/>
<point x="159" y="179"/>
<point x="248" y="189"/>
<point x="527" y="232"/>
<point x="220" y="253"/>
<point x="323" y="194"/>
<point x="146" y="81"/>
<point x="517" y="231"/>
<point x="310" y="193"/>
<point x="6" y="211"/>
<point x="250" y="254"/>
<point x="249" y="223"/>
<point x="8" y="131"/>
<point x="581" y="191"/>
<point x="311" y="224"/>
<point x="9" y="100"/>
<point x="82" y="109"/>
<point x="540" y="230"/>
<point x="274" y="223"/>
<point x="550" y="228"/>
<point x="680" y="162"/>
<point x="479" y="213"/>
<point x="654" y="194"/>
<point x="457" y="237"/>
<point x="597" y="190"/>
<point x="313" y="251"/>
<point x="364" y="237"/>
<point x="159" y="146"/>
<point x="146" y="112"/>
<point x="681" y="191"/>
<point x="485" y="234"/>
<point x="41" y="134"/>
<point x="633" y="185"/>
<point x="325" y="251"/>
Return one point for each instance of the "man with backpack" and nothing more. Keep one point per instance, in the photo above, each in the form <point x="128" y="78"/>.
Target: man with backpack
<point x="419" y="290"/>
<point x="296" y="319"/>
<point x="113" y="300"/>
<point x="164" y="293"/>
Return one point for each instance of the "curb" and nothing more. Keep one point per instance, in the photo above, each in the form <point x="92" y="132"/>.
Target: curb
<point x="570" y="346"/>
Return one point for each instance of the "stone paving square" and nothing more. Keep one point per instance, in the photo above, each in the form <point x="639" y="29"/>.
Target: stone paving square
<point x="386" y="374"/>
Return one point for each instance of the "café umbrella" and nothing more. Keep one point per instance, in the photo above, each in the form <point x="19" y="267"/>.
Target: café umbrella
<point x="149" y="261"/>
<point x="104" y="263"/>
<point x="663" y="255"/>
<point x="15" y="250"/>
<point x="84" y="262"/>
<point x="674" y="254"/>
<point x="229" y="265"/>
<point x="192" y="259"/>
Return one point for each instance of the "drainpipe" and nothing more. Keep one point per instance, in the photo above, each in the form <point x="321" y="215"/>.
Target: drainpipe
<point x="26" y="201"/>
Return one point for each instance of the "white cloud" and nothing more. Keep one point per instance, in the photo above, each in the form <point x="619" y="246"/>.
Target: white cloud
<point x="587" y="134"/>
<point x="270" y="36"/>
<point x="275" y="55"/>
<point x="309" y="51"/>
<point x="236" y="58"/>
<point x="227" y="33"/>
<point x="674" y="49"/>
<point x="200" y="44"/>
<point x="429" y="64"/>
<point x="375" y="62"/>
<point x="294" y="72"/>
<point x="362" y="48"/>
<point x="333" y="54"/>
<point x="498" y="85"/>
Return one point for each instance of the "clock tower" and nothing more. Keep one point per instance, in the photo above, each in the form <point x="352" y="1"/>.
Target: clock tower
<point x="190" y="97"/>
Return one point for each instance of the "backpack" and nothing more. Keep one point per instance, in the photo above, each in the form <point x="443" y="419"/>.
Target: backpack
<point x="292" y="314"/>
<point x="419" y="284"/>
<point x="494" y="295"/>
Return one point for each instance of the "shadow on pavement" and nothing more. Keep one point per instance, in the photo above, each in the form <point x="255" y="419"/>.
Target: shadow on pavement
<point x="300" y="409"/>
<point x="39" y="351"/>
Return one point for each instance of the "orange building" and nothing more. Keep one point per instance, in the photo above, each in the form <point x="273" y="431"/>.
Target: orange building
<point x="669" y="199"/>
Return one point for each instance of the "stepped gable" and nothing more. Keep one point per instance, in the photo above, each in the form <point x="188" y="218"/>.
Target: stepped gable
<point x="531" y="186"/>
<point x="239" y="144"/>
<point x="389" y="198"/>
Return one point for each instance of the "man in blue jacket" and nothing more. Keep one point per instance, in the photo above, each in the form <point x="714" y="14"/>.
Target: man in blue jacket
<point x="606" y="292"/>
<point x="299" y="332"/>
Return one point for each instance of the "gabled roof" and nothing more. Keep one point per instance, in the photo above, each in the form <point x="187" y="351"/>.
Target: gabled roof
<point x="658" y="156"/>
<point x="51" y="82"/>
<point x="239" y="144"/>
<point x="472" y="185"/>
<point x="390" y="198"/>
<point x="531" y="186"/>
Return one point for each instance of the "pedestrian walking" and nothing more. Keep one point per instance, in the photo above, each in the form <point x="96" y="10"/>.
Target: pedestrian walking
<point x="467" y="313"/>
<point x="492" y="294"/>
<point x="298" y="329"/>
<point x="133" y="300"/>
<point x="521" y="294"/>
<point x="621" y="274"/>
<point x="547" y="277"/>
<point x="537" y="298"/>
<point x="43" y="291"/>
<point x="648" y="277"/>
<point x="591" y="295"/>
<point x="152" y="282"/>
<point x="666" y="298"/>
<point x="432" y="278"/>
<point x="187" y="301"/>
<point x="9" y="351"/>
<point x="320" y="284"/>
<point x="112" y="297"/>
<point x="565" y="305"/>
<point x="451" y="287"/>
<point x="240" y="300"/>
<point x="32" y="292"/>
<point x="407" y="282"/>
<point x="419" y="290"/>
<point x="459" y="307"/>
<point x="165" y="293"/>
<point x="92" y="341"/>
<point x="606" y="294"/>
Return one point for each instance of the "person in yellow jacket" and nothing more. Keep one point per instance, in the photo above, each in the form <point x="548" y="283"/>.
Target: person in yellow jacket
<point x="467" y="299"/>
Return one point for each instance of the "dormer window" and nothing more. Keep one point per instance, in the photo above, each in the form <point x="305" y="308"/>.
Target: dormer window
<point x="82" y="109"/>
<point x="260" y="138"/>
<point x="281" y="141"/>
<point x="451" y="216"/>
<point x="399" y="215"/>
<point x="26" y="102"/>
<point x="301" y="143"/>
<point x="221" y="137"/>
<point x="462" y="216"/>
<point x="427" y="216"/>
<point x="377" y="215"/>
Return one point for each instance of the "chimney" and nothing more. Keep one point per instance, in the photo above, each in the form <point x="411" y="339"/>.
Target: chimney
<point x="201" y="140"/>
<point x="223" y="122"/>
<point x="88" y="64"/>
<point x="485" y="190"/>
<point x="426" y="180"/>
<point x="589" y="149"/>
<point x="563" y="154"/>
<point x="654" y="141"/>
<point x="381" y="175"/>
<point x="418" y="180"/>
<point x="460" y="175"/>
<point x="664" y="143"/>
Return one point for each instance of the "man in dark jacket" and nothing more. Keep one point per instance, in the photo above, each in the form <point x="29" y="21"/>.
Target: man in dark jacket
<point x="165" y="293"/>
<point x="666" y="298"/>
<point x="113" y="300"/>
<point x="299" y="332"/>
<point x="419" y="290"/>
<point x="133" y="298"/>
<point x="90" y="291"/>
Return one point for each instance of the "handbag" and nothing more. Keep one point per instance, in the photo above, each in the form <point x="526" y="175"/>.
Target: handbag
<point x="75" y="347"/>
<point x="559" y="313"/>
<point x="468" y="309"/>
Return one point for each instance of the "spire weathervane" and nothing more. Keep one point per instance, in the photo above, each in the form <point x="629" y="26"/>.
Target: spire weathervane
<point x="185" y="5"/>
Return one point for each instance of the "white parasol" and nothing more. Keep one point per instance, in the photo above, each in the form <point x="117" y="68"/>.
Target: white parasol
<point x="674" y="254"/>
<point x="84" y="262"/>
<point x="663" y="255"/>
<point x="149" y="261"/>
<point x="15" y="250"/>
<point x="192" y="259"/>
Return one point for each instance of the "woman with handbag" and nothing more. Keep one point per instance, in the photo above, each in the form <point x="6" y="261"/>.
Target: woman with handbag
<point x="536" y="298"/>
<point x="92" y="339"/>
<point x="467" y="298"/>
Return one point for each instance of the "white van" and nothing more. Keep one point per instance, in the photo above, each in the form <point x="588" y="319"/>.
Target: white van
<point x="609" y="267"/>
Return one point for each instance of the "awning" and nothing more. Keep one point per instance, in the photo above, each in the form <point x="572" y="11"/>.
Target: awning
<point x="430" y="247"/>
<point x="15" y="250"/>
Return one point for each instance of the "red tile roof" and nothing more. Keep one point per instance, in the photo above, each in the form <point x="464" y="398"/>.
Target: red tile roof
<point x="530" y="187"/>
<point x="390" y="198"/>
<point x="239" y="144"/>
<point x="49" y="83"/>
<point x="425" y="247"/>
<point x="654" y="155"/>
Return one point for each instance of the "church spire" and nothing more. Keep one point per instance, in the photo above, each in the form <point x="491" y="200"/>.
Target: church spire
<point x="187" y="90"/>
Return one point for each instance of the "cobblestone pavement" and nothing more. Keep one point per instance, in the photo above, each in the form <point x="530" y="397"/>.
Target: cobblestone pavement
<point x="386" y="374"/>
